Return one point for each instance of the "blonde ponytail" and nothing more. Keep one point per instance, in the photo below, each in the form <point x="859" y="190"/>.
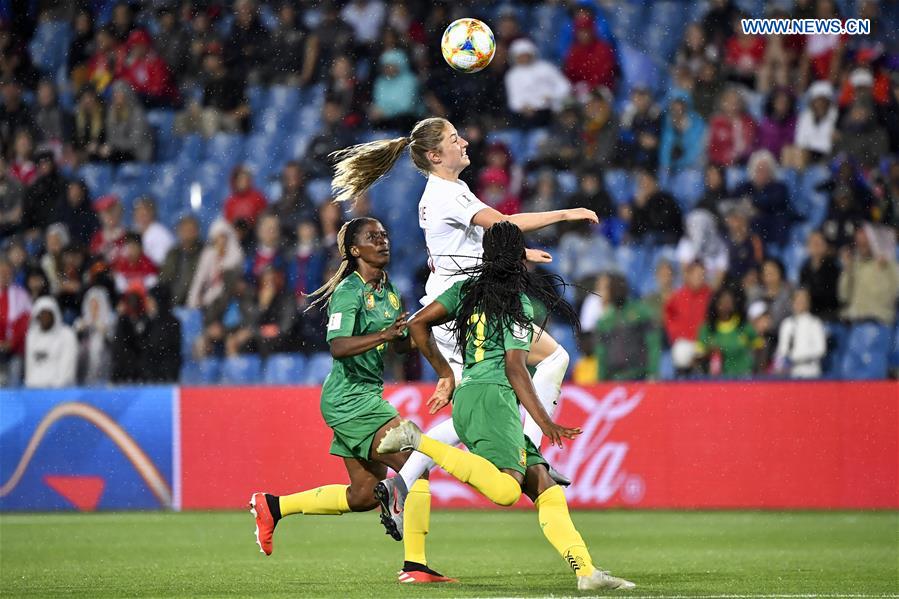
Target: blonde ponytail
<point x="359" y="167"/>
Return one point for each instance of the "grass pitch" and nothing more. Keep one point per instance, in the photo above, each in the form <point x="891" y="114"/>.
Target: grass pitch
<point x="493" y="553"/>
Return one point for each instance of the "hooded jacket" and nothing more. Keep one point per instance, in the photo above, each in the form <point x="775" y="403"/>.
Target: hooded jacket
<point x="679" y="150"/>
<point x="397" y="95"/>
<point x="51" y="357"/>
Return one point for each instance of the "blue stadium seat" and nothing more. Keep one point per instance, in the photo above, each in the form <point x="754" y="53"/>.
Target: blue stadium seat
<point x="284" y="369"/>
<point x="205" y="372"/>
<point x="192" y="149"/>
<point x="319" y="190"/>
<point x="620" y="186"/>
<point x="317" y="368"/>
<point x="49" y="47"/>
<point x="166" y="142"/>
<point x="258" y="98"/>
<point x="138" y="174"/>
<point x="894" y="352"/>
<point x="734" y="176"/>
<point x="793" y="257"/>
<point x="191" y="320"/>
<point x="268" y="120"/>
<point x="98" y="178"/>
<point x="295" y="146"/>
<point x="243" y="369"/>
<point x="226" y="149"/>
<point x="867" y="349"/>
<point x="513" y="139"/>
<point x="837" y="336"/>
<point x="687" y="188"/>
<point x="283" y="98"/>
<point x="638" y="68"/>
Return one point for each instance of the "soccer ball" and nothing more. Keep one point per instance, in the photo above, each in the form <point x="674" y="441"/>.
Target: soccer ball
<point x="468" y="45"/>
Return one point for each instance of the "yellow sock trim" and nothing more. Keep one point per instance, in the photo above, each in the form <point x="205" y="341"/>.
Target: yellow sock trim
<point x="417" y="521"/>
<point x="559" y="530"/>
<point x="329" y="500"/>
<point x="497" y="486"/>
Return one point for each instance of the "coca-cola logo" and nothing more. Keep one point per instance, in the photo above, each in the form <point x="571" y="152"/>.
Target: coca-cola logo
<point x="595" y="460"/>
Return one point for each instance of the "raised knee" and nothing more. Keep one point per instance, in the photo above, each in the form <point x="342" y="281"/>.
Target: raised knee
<point x="359" y="501"/>
<point x="508" y="494"/>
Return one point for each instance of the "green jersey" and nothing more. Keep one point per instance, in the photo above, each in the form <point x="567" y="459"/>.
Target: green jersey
<point x="487" y="342"/>
<point x="736" y="341"/>
<point x="355" y="385"/>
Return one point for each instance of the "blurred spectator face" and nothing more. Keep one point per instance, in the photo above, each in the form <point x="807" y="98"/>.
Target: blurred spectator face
<point x="707" y="72"/>
<point x="781" y="104"/>
<point x="119" y="99"/>
<point x="801" y="301"/>
<point x="816" y="245"/>
<point x="55" y="243"/>
<point x="497" y="158"/>
<point x="244" y="11"/>
<point x="642" y="100"/>
<point x="121" y="16"/>
<point x="17" y="255"/>
<point x="46" y="94"/>
<point x="111" y="218"/>
<point x="200" y="23"/>
<point x="329" y="216"/>
<point x="293" y="176"/>
<point x="820" y="106"/>
<point x="188" y="232"/>
<point x="762" y="323"/>
<point x="894" y="173"/>
<point x="862" y="243"/>
<point x="23" y="145"/>
<point x="82" y="22"/>
<point x="105" y="41"/>
<point x="167" y="20"/>
<point x="88" y="101"/>
<point x="72" y="260"/>
<point x="694" y="37"/>
<point x="74" y="194"/>
<point x="646" y="183"/>
<point x="270" y="279"/>
<point x="268" y="231"/>
<point x="36" y="283"/>
<point x="731" y="103"/>
<point x="220" y="243"/>
<point x="590" y="183"/>
<point x="144" y="215"/>
<point x="584" y="35"/>
<point x="507" y="28"/>
<point x="825" y="9"/>
<point x="524" y="58"/>
<point x="306" y="233"/>
<point x="45" y="166"/>
<point x="332" y="113"/>
<point x="683" y="78"/>
<point x="714" y="178"/>
<point x="390" y="71"/>
<point x="771" y="277"/>
<point x="46" y="319"/>
<point x="214" y="65"/>
<point x="12" y="94"/>
<point x="860" y="113"/>
<point x="678" y="112"/>
<point x="737" y="226"/>
<point x="342" y="68"/>
<point x="132" y="250"/>
<point x="546" y="185"/>
<point x="763" y="173"/>
<point x="694" y="277"/>
<point x="5" y="274"/>
<point x="287" y="15"/>
<point x="242" y="181"/>
<point x="664" y="276"/>
<point x="725" y="305"/>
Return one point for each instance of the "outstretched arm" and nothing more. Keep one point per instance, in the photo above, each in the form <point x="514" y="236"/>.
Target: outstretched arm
<point x="420" y="331"/>
<point x="345" y="347"/>
<point x="532" y="221"/>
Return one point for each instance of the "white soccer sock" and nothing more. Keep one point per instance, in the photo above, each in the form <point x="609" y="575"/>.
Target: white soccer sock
<point x="419" y="463"/>
<point x="548" y="378"/>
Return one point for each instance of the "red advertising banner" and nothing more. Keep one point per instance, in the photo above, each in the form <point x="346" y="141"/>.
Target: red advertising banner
<point x="702" y="445"/>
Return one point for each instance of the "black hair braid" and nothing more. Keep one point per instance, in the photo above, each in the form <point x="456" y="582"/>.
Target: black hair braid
<point x="494" y="287"/>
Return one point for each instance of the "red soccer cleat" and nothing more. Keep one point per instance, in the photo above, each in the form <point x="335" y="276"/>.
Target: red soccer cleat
<point x="420" y="577"/>
<point x="265" y="523"/>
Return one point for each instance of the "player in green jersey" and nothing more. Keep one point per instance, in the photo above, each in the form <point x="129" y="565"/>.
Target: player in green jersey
<point x="492" y="320"/>
<point x="365" y="314"/>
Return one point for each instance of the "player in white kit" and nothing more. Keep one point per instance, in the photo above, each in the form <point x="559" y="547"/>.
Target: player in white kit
<point x="453" y="220"/>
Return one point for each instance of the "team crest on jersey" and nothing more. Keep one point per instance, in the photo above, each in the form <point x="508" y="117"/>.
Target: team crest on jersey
<point x="369" y="301"/>
<point x="394" y="300"/>
<point x="522" y="457"/>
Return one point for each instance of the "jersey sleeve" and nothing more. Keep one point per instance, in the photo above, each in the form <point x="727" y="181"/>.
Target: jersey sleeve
<point x="399" y="296"/>
<point x="516" y="336"/>
<point x="342" y="311"/>
<point x="451" y="298"/>
<point x="462" y="208"/>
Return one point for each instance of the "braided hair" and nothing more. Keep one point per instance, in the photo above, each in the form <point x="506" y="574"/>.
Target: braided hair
<point x="348" y="262"/>
<point x="494" y="287"/>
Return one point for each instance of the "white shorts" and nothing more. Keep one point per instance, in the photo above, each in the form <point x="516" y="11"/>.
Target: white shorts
<point x="446" y="343"/>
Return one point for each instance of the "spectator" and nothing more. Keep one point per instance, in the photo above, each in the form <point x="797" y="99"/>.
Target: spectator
<point x="868" y="284"/>
<point x="705" y="90"/>
<point x="334" y="135"/>
<point x="590" y="62"/>
<point x="861" y="137"/>
<point x="395" y="100"/>
<point x="778" y="128"/>
<point x="181" y="261"/>
<point x="305" y="267"/>
<point x="294" y="206"/>
<point x="743" y="57"/>
<point x="267" y="318"/>
<point x="80" y="47"/>
<point x="203" y="41"/>
<point x="344" y="89"/>
<point x="96" y="328"/>
<point x="600" y="128"/>
<point x="819" y="276"/>
<point x="55" y="242"/>
<point x="563" y="146"/>
<point x="89" y="126"/>
<point x="586" y="369"/>
<point x="702" y="243"/>
<point x="781" y="57"/>
<point x="695" y="50"/>
<point x="214" y="283"/>
<point x="499" y="157"/>
<point x="44" y="199"/>
<point x="732" y="132"/>
<point x="155" y="238"/>
<point x="727" y="343"/>
<point x="245" y="202"/>
<point x="715" y="191"/>
<point x="224" y="107"/>
<point x="774" y="291"/>
<point x="366" y="18"/>
<point x="293" y="50"/>
<point x="684" y="314"/>
<point x="12" y="199"/>
<point x="664" y="287"/>
<point x="718" y="22"/>
<point x="534" y="87"/>
<point x="579" y="241"/>
<point x="160" y="356"/>
<point x="591" y="193"/>
<point x="268" y="248"/>
<point x="335" y="36"/>
<point x="14" y="113"/>
<point x="654" y="217"/>
<point x="23" y="168"/>
<point x="245" y="48"/>
<point x="146" y="72"/>
<point x="15" y="311"/>
<point x="744" y="248"/>
<point x="122" y="21"/>
<point x="641" y="129"/>
<point x="801" y="342"/>
<point x="101" y="68"/>
<point x="36" y="282"/>
<point x="628" y="343"/>
<point x="815" y="127"/>
<point x="76" y="212"/>
<point x="823" y="51"/>
<point x="131" y="326"/>
<point x="770" y="198"/>
<point x="127" y="132"/>
<point x="683" y="136"/>
<point x="108" y="240"/>
<point x="493" y="190"/>
<point x="133" y="266"/>
<point x="72" y="281"/>
<point x="759" y="317"/>
<point x="51" y="349"/>
<point x="172" y="40"/>
<point x="543" y="197"/>
<point x="843" y="217"/>
<point x="53" y="124"/>
<point x="16" y="253"/>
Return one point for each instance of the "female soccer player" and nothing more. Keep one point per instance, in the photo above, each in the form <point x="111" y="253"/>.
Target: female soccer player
<point x="453" y="220"/>
<point x="364" y="315"/>
<point x="492" y="321"/>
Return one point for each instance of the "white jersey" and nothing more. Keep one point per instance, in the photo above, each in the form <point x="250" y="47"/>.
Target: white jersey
<point x="453" y="241"/>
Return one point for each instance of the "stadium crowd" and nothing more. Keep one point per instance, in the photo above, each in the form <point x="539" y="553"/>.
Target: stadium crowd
<point x="748" y="185"/>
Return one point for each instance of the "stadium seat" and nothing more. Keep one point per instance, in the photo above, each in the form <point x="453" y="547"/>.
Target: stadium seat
<point x="49" y="47"/>
<point x="867" y="349"/>
<point x="97" y="176"/>
<point x="192" y="149"/>
<point x="687" y="188"/>
<point x="284" y="369"/>
<point x="166" y="142"/>
<point x="243" y="369"/>
<point x="226" y="149"/>
<point x="317" y="368"/>
<point x="283" y="98"/>
<point x="734" y="176"/>
<point x="319" y="190"/>
<point x="638" y="68"/>
<point x="894" y="351"/>
<point x="205" y="372"/>
<point x="620" y="186"/>
<point x="513" y="139"/>
<point x="191" y="320"/>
